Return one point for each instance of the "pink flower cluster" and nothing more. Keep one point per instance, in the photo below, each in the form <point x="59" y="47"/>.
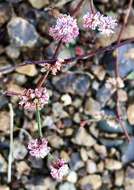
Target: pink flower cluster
<point x="59" y="169"/>
<point x="66" y="29"/>
<point x="33" y="97"/>
<point x="38" y="148"/>
<point x="55" y="67"/>
<point x="104" y="24"/>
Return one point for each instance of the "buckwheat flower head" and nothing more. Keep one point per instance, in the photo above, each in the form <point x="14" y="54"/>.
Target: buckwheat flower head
<point x="91" y="20"/>
<point x="59" y="169"/>
<point x="38" y="148"/>
<point x="107" y="25"/>
<point x="66" y="29"/>
<point x="104" y="24"/>
<point x="54" y="68"/>
<point x="33" y="97"/>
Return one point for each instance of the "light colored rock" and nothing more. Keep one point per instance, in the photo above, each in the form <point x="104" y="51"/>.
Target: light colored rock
<point x="12" y="52"/>
<point x="48" y="184"/>
<point x="72" y="177"/>
<point x="58" y="110"/>
<point x="68" y="132"/>
<point x="4" y="121"/>
<point x="100" y="166"/>
<point x="112" y="164"/>
<point x="92" y="107"/>
<point x="83" y="138"/>
<point x="67" y="186"/>
<point x="92" y="154"/>
<point x="21" y="32"/>
<point x="4" y="188"/>
<point x="64" y="155"/>
<point x="91" y="167"/>
<point x="129" y="179"/>
<point x="28" y="70"/>
<point x="99" y="71"/>
<point x="66" y="98"/>
<point x="55" y="141"/>
<point x="122" y="95"/>
<point x="77" y="118"/>
<point x="92" y="180"/>
<point x="38" y="4"/>
<point x="130" y="114"/>
<point x="14" y="88"/>
<point x="83" y="154"/>
<point x="22" y="168"/>
<point x="101" y="150"/>
<point x="3" y="164"/>
<point x="119" y="178"/>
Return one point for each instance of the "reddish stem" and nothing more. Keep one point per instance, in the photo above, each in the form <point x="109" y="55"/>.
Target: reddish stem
<point x="117" y="74"/>
<point x="91" y="4"/>
<point x="75" y="11"/>
<point x="83" y="57"/>
<point x="44" y="77"/>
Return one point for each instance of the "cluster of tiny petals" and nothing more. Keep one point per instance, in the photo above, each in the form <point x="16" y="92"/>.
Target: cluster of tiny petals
<point x="38" y="148"/>
<point x="55" y="67"/>
<point x="66" y="29"/>
<point x="59" y="169"/>
<point x="33" y="97"/>
<point x="104" y="24"/>
<point x="91" y="20"/>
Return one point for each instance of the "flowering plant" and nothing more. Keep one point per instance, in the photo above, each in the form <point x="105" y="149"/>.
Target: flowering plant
<point x="34" y="100"/>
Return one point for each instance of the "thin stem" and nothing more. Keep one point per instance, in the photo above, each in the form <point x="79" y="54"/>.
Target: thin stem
<point x="38" y="119"/>
<point x="117" y="74"/>
<point x="71" y="59"/>
<point x="10" y="157"/>
<point x="57" y="49"/>
<point x="11" y="93"/>
<point x="75" y="11"/>
<point x="44" y="77"/>
<point x="91" y="4"/>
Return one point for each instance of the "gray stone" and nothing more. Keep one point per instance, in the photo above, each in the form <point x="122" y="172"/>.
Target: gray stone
<point x="92" y="107"/>
<point x="109" y="143"/>
<point x="103" y="95"/>
<point x="83" y="138"/>
<point x="113" y="127"/>
<point x="20" y="151"/>
<point x="76" y="162"/>
<point x="22" y="33"/>
<point x="72" y="83"/>
<point x="128" y="153"/>
<point x="125" y="58"/>
<point x="3" y="101"/>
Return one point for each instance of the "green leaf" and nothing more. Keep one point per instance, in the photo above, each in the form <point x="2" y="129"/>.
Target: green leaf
<point x="130" y="76"/>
